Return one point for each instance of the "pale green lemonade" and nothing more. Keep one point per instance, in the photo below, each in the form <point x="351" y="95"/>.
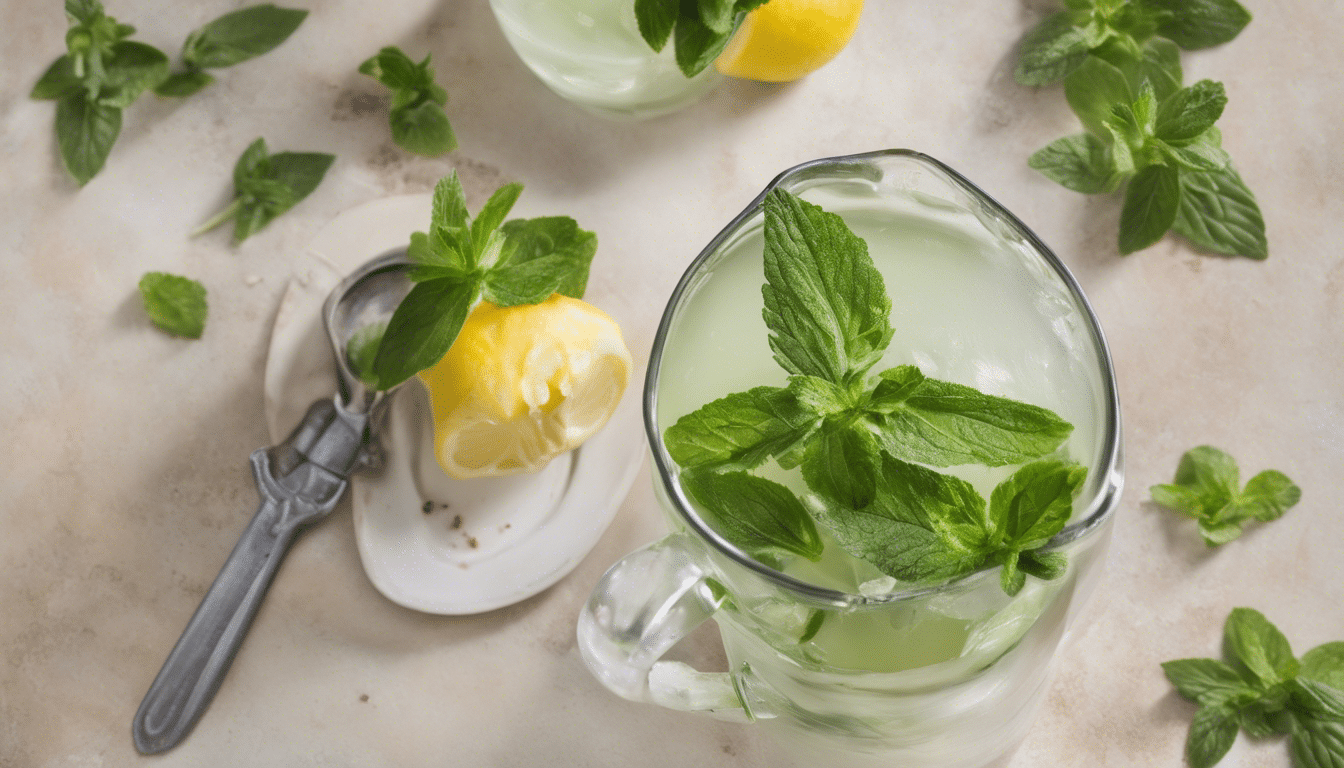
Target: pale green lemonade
<point x="590" y="52"/>
<point x="968" y="307"/>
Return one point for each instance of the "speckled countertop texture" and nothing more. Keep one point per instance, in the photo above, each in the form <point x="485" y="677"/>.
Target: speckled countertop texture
<point x="123" y="465"/>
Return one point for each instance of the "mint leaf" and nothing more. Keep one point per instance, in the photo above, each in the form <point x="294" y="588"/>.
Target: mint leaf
<point x="656" y="19"/>
<point x="1189" y="112"/>
<point x="1316" y="699"/>
<point x="266" y="186"/>
<point x="1157" y="62"/>
<point x="1317" y="743"/>
<point x="1151" y="202"/>
<point x="58" y="82"/>
<point x="1212" y="733"/>
<point x="361" y="351"/>
<point x="741" y="430"/>
<point x="1325" y="664"/>
<point x="418" y="122"/>
<point x="1032" y="505"/>
<point x="423" y="328"/>
<point x="944" y="424"/>
<point x="1082" y="163"/>
<point x="695" y="43"/>
<point x="762" y="518"/>
<point x="717" y="15"/>
<point x="1219" y="213"/>
<point x="825" y="303"/>
<point x="540" y="256"/>
<point x="1195" y="24"/>
<point x="921" y="525"/>
<point x="85" y="133"/>
<point x="179" y="85"/>
<point x="174" y="304"/>
<point x="1051" y="50"/>
<point x="1249" y="638"/>
<point x="840" y="462"/>
<point x="241" y="35"/>
<point x="1208" y="681"/>
<point x="1093" y="89"/>
<point x="1207" y="488"/>
<point x="492" y="215"/>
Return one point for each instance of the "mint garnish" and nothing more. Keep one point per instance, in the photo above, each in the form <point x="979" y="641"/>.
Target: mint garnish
<point x="266" y="185"/>
<point x="174" y="304"/>
<point x="859" y="439"/>
<point x="1120" y="62"/>
<point x="1208" y="488"/>
<point x="418" y="122"/>
<point x="699" y="29"/>
<point x="1263" y="689"/>
<point x="462" y="260"/>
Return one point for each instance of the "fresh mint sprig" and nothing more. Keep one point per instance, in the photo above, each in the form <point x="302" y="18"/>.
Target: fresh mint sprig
<point x="418" y="122"/>
<point x="230" y="39"/>
<point x="1061" y="42"/>
<point x="699" y="29"/>
<point x="101" y="74"/>
<point x="1263" y="689"/>
<point x="266" y="186"/>
<point x="1208" y="488"/>
<point x="175" y="304"/>
<point x="858" y="439"/>
<point x="462" y="260"/>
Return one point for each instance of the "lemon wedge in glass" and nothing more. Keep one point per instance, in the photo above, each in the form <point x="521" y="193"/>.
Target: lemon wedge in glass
<point x="522" y="385"/>
<point x="784" y="40"/>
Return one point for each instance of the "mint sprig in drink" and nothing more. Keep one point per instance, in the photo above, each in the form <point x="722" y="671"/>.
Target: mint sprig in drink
<point x="591" y="52"/>
<point x="885" y="434"/>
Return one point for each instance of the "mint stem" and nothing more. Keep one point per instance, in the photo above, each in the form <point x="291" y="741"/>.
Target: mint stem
<point x="219" y="218"/>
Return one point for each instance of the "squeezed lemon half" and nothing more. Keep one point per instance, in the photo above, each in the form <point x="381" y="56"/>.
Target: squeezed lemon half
<point x="784" y="40"/>
<point x="522" y="385"/>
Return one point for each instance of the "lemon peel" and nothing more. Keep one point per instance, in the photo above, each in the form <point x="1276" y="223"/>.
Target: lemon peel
<point x="524" y="384"/>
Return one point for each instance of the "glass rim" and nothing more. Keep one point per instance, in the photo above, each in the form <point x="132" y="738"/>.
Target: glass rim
<point x="1104" y="500"/>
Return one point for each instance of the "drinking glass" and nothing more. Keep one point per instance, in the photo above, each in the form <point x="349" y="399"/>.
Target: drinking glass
<point x="882" y="672"/>
<point x="591" y="53"/>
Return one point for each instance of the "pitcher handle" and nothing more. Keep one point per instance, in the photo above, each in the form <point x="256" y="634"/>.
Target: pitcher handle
<point x="638" y="610"/>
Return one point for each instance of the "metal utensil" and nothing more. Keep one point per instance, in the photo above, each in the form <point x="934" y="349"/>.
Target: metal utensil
<point x="300" y="481"/>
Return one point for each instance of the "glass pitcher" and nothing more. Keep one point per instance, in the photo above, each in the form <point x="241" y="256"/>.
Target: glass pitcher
<point x="850" y="666"/>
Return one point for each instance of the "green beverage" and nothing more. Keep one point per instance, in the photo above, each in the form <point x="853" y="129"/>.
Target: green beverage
<point x="849" y="660"/>
<point x="591" y="53"/>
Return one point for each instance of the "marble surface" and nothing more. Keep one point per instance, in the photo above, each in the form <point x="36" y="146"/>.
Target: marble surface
<point x="125" y="482"/>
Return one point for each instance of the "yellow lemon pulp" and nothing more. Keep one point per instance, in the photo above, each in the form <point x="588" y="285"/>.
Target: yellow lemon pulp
<point x="522" y="385"/>
<point x="785" y="39"/>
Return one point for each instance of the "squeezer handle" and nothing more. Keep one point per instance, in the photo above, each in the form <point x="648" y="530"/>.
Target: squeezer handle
<point x="300" y="481"/>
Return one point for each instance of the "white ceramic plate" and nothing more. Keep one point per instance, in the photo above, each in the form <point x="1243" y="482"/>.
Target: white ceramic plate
<point x="427" y="541"/>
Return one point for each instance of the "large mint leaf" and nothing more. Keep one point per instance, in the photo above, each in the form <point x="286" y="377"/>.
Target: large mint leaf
<point x="423" y="327"/>
<point x="1195" y="24"/>
<point x="1051" y="50"/>
<point x="1082" y="163"/>
<point x="1151" y="202"/>
<point x="761" y="517"/>
<point x="1207" y="681"/>
<point x="825" y="302"/>
<point x="550" y="246"/>
<point x="1249" y="638"/>
<point x="1211" y="735"/>
<point x="944" y="424"/>
<point x="1218" y="212"/>
<point x="742" y="429"/>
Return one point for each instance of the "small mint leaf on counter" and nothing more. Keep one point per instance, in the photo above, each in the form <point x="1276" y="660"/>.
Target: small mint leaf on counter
<point x="175" y="304"/>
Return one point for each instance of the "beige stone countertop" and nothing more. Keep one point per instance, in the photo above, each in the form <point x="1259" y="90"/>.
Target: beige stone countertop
<point x="124" y="480"/>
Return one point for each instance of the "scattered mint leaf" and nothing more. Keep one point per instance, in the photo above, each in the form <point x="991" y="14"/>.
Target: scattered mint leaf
<point x="1151" y="202"/>
<point x="1219" y="213"/>
<point x="175" y="304"/>
<point x="944" y="424"/>
<point x="266" y="186"/>
<point x="419" y="124"/>
<point x="1052" y="49"/>
<point x="180" y="85"/>
<point x="825" y="302"/>
<point x="1207" y="488"/>
<point x="460" y="261"/>
<point x="1212" y="733"/>
<point x="85" y="133"/>
<point x="1317" y="743"/>
<point x="1195" y="24"/>
<point x="241" y="35"/>
<point x="1325" y="664"/>
<point x="1081" y="162"/>
<point x="764" y="518"/>
<point x="1264" y="691"/>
